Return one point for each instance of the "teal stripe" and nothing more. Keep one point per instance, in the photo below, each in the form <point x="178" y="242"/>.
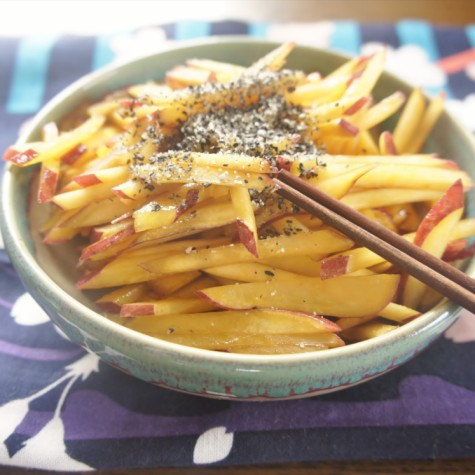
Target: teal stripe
<point x="30" y="74"/>
<point x="470" y="32"/>
<point x="420" y="33"/>
<point x="258" y="30"/>
<point x="103" y="53"/>
<point x="346" y="37"/>
<point x="187" y="30"/>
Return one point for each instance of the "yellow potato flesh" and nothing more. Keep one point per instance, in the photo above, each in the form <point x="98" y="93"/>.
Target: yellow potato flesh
<point x="435" y="243"/>
<point x="252" y="322"/>
<point x="257" y="344"/>
<point x="163" y="271"/>
<point x="169" y="284"/>
<point x="365" y="295"/>
<point x="367" y="331"/>
<point x="317" y="242"/>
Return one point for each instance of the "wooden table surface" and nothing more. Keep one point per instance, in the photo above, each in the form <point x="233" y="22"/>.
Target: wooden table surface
<point x="429" y="467"/>
<point x="451" y="12"/>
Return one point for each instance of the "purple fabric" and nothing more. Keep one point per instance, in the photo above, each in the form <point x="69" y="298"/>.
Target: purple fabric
<point x="410" y="408"/>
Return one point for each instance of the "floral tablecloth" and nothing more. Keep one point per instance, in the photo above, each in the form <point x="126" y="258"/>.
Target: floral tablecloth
<point x="63" y="409"/>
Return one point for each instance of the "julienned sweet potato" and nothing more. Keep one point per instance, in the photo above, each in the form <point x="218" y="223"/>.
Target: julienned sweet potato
<point x="167" y="187"/>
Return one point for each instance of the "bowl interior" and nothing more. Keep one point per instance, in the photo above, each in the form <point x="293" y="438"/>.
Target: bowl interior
<point x="59" y="262"/>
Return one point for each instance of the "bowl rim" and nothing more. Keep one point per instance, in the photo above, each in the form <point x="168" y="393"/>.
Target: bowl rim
<point x="26" y="260"/>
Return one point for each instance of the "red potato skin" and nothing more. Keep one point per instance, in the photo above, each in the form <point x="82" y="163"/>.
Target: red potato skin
<point x="106" y="243"/>
<point x="80" y="284"/>
<point x="131" y="103"/>
<point x="452" y="200"/>
<point x="284" y="163"/>
<point x="334" y="267"/>
<point x="353" y="78"/>
<point x="19" y="158"/>
<point x="190" y="200"/>
<point x="451" y="165"/>
<point x="121" y="218"/>
<point x="363" y="60"/>
<point x="353" y="109"/>
<point x="74" y="154"/>
<point x="348" y="127"/>
<point x="47" y="186"/>
<point x="87" y="180"/>
<point x="121" y="194"/>
<point x="458" y="250"/>
<point x="246" y="236"/>
<point x="9" y="153"/>
<point x="55" y="242"/>
<point x="203" y="296"/>
<point x="332" y="326"/>
<point x="276" y="218"/>
<point x="136" y="310"/>
<point x="174" y="84"/>
<point x="390" y="145"/>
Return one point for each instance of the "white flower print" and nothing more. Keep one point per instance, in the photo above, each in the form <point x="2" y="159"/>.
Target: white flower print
<point x="213" y="445"/>
<point x="410" y="63"/>
<point x="145" y="40"/>
<point x="46" y="449"/>
<point x="463" y="111"/>
<point x="27" y="312"/>
<point x="313" y="34"/>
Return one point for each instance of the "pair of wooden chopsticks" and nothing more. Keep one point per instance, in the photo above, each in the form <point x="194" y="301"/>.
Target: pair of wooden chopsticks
<point x="442" y="277"/>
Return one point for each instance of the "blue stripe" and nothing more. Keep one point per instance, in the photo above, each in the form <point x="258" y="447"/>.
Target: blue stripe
<point x="379" y="32"/>
<point x="420" y="33"/>
<point x="169" y="29"/>
<point x="187" y="30"/>
<point x="8" y="47"/>
<point x="470" y="32"/>
<point x="30" y="74"/>
<point x="258" y="30"/>
<point x="71" y="58"/>
<point x="346" y="37"/>
<point x="103" y="53"/>
<point x="450" y="41"/>
<point x="229" y="27"/>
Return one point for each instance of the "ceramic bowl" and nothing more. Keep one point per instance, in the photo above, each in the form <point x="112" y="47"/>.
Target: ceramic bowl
<point x="48" y="272"/>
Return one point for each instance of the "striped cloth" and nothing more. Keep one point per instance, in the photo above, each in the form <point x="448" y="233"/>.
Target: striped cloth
<point x="62" y="409"/>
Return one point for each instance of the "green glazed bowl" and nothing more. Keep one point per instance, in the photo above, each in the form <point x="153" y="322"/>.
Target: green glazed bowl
<point x="49" y="272"/>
